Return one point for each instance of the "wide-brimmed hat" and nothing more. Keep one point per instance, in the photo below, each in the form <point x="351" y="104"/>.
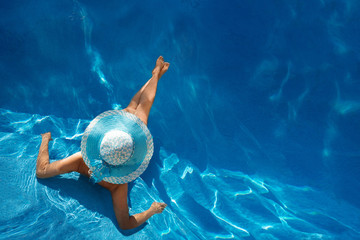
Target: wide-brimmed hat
<point x="117" y="147"/>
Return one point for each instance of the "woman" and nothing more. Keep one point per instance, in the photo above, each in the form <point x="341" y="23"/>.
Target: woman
<point x="115" y="149"/>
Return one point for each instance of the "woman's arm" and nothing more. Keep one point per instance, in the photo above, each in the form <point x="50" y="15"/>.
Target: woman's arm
<point x="119" y="196"/>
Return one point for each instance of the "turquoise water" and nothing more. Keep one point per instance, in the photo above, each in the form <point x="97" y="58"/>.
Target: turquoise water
<point x="255" y="125"/>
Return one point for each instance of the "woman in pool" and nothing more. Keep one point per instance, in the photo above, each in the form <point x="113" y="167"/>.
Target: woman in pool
<point x="115" y="149"/>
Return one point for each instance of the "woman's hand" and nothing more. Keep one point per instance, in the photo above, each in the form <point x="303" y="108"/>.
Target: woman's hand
<point x="157" y="207"/>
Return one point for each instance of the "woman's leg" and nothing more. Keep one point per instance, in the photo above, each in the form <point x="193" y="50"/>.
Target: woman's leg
<point x="45" y="169"/>
<point x="141" y="103"/>
<point x="136" y="99"/>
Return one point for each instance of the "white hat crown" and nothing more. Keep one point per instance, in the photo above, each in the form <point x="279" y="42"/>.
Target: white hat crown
<point x="116" y="147"/>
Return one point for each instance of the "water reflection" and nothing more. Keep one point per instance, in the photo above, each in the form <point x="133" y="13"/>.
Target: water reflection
<point x="214" y="203"/>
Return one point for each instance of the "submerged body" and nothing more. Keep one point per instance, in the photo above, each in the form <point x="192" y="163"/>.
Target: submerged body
<point x="140" y="106"/>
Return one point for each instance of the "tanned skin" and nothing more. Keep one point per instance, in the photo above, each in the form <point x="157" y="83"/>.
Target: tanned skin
<point x="140" y="105"/>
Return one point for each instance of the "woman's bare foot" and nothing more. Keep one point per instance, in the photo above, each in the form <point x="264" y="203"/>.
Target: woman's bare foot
<point x="164" y="68"/>
<point x="158" y="66"/>
<point x="46" y="136"/>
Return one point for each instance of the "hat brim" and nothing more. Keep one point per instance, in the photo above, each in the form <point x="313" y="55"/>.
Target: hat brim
<point x="123" y="121"/>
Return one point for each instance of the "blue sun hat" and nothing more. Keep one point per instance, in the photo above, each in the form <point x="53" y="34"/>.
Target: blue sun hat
<point x="117" y="147"/>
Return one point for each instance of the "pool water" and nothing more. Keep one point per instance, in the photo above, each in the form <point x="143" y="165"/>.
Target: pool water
<point x="255" y="125"/>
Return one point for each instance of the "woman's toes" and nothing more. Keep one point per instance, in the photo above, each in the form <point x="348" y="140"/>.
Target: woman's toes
<point x="165" y="67"/>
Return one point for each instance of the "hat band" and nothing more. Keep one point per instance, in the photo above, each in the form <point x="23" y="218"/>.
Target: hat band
<point x="100" y="170"/>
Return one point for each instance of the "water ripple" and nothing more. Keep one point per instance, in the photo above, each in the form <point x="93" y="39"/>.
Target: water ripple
<point x="212" y="204"/>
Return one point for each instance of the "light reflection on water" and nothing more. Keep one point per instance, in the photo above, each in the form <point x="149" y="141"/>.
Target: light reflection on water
<point x="265" y="94"/>
<point x="215" y="203"/>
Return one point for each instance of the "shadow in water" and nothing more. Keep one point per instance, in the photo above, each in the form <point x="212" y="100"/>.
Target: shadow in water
<point x="93" y="197"/>
<point x="153" y="173"/>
